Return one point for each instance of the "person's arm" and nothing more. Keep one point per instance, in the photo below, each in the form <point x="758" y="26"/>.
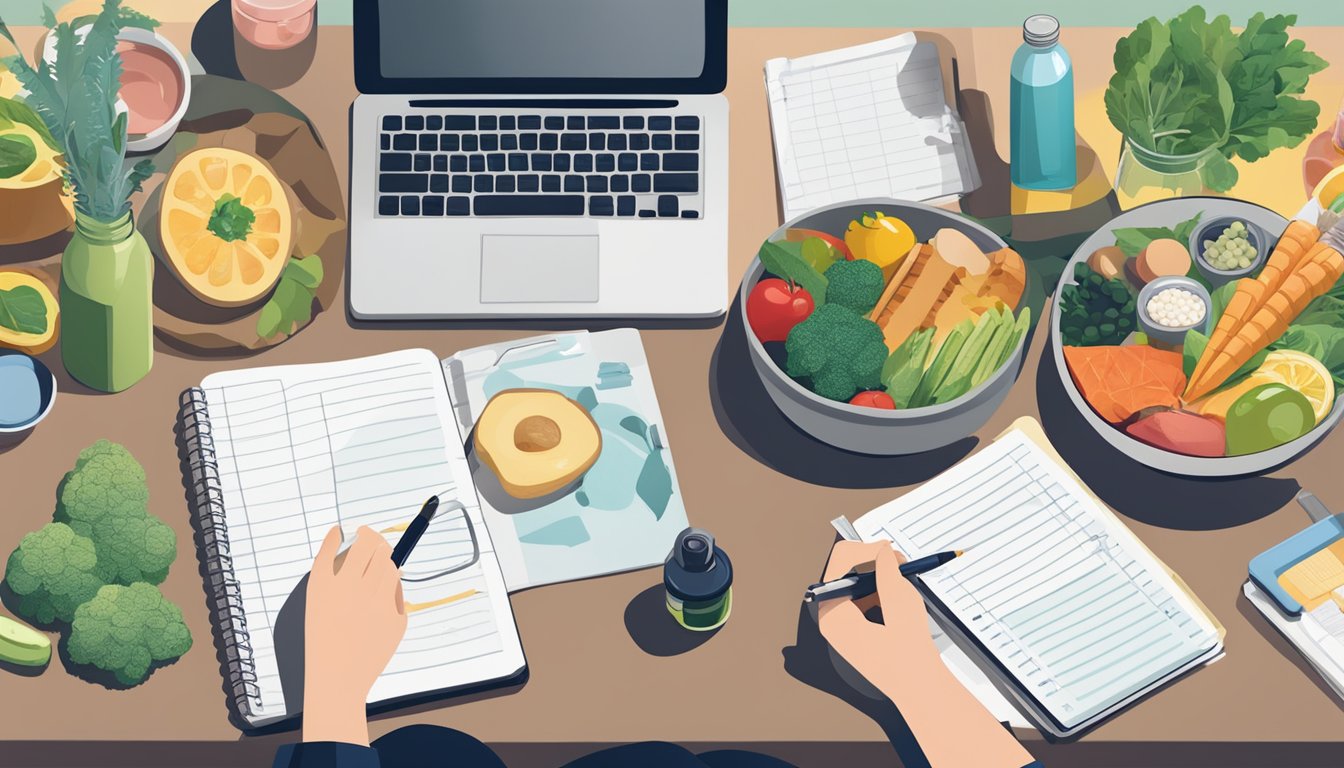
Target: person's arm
<point x="354" y="621"/>
<point x="898" y="657"/>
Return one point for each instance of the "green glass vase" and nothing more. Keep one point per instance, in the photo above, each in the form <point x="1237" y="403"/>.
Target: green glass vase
<point x="107" y="331"/>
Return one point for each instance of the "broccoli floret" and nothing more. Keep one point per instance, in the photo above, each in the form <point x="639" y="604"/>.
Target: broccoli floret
<point x="104" y="498"/>
<point x="125" y="630"/>
<point x="835" y="352"/>
<point x="855" y="285"/>
<point x="51" y="573"/>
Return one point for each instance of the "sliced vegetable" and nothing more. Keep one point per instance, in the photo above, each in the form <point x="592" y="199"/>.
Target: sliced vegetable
<point x="1118" y="382"/>
<point x="958" y="380"/>
<point x="1180" y="432"/>
<point x="905" y="367"/>
<point x="942" y="365"/>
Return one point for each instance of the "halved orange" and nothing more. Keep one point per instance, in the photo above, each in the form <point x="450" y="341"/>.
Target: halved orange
<point x="226" y="225"/>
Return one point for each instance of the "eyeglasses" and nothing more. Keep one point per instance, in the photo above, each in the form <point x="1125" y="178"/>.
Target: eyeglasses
<point x="448" y="546"/>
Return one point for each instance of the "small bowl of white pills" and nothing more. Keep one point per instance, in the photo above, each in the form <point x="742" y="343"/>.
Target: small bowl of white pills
<point x="1228" y="248"/>
<point x="1168" y="307"/>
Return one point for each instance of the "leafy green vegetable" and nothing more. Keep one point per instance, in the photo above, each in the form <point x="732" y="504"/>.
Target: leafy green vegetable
<point x="905" y="366"/>
<point x="125" y="630"/>
<point x="292" y="303"/>
<point x="1132" y="240"/>
<point x="16" y="154"/>
<point x="1323" y="310"/>
<point x="76" y="98"/>
<point x="1192" y="85"/>
<point x="787" y="264"/>
<point x="230" y="220"/>
<point x="22" y="309"/>
<point x="942" y="364"/>
<point x="818" y="253"/>
<point x="1323" y="342"/>
<point x="1095" y="311"/>
<point x="14" y="111"/>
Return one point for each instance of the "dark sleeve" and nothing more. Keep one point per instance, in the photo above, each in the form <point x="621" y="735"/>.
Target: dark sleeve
<point x="1034" y="764"/>
<point x="325" y="754"/>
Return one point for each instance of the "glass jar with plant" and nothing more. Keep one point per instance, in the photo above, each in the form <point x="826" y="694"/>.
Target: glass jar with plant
<point x="1190" y="94"/>
<point x="107" y="270"/>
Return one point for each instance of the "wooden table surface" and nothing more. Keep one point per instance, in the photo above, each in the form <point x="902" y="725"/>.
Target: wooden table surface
<point x="605" y="665"/>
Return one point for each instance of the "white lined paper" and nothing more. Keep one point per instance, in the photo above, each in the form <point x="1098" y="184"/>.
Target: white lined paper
<point x="362" y="442"/>
<point x="871" y="120"/>
<point x="1060" y="594"/>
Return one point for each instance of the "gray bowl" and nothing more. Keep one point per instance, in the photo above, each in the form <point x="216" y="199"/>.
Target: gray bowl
<point x="1162" y="333"/>
<point x="1166" y="213"/>
<point x="871" y="430"/>
<point x="1210" y="229"/>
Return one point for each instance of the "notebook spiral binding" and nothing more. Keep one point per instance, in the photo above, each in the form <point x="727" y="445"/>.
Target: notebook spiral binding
<point x="208" y="506"/>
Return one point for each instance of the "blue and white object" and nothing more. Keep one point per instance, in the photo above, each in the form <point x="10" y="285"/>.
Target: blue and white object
<point x="1044" y="147"/>
<point x="27" y="391"/>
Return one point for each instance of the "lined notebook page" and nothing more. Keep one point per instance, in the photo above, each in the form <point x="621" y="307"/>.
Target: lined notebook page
<point x="867" y="121"/>
<point x="360" y="442"/>
<point x="1053" y="586"/>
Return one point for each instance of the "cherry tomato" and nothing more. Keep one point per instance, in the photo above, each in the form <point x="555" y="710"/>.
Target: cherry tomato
<point x="774" y="307"/>
<point x="874" y="399"/>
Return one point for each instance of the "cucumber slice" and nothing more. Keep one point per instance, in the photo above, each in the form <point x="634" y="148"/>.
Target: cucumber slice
<point x="958" y="380"/>
<point x="942" y="364"/>
<point x="994" y="354"/>
<point x="23" y="645"/>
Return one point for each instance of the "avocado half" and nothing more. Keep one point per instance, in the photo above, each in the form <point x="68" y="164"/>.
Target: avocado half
<point x="536" y="441"/>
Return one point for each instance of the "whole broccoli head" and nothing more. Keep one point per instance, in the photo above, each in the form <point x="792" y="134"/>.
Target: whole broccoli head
<point x="52" y="573"/>
<point x="104" y="498"/>
<point x="855" y="285"/>
<point x="125" y="630"/>
<point x="836" y="352"/>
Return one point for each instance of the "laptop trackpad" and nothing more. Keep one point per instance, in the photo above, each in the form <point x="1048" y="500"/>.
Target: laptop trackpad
<point x="538" y="269"/>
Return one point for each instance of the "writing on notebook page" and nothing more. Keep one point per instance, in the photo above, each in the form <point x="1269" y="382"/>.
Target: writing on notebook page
<point x="1045" y="586"/>
<point x="362" y="447"/>
<point x="867" y="121"/>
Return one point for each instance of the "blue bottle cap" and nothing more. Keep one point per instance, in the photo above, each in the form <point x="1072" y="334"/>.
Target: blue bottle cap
<point x="697" y="570"/>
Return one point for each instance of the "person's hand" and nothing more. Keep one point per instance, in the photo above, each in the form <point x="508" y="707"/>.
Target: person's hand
<point x="880" y="652"/>
<point x="354" y="621"/>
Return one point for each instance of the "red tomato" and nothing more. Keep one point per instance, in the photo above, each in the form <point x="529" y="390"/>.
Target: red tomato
<point x="774" y="307"/>
<point x="874" y="399"/>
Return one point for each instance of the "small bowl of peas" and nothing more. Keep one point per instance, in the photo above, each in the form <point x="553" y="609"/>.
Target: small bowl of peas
<point x="1228" y="248"/>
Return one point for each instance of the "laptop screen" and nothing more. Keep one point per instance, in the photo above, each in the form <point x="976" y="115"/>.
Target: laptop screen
<point x="518" y="46"/>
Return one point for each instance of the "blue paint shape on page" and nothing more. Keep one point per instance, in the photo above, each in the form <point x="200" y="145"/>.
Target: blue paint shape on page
<point x="565" y="532"/>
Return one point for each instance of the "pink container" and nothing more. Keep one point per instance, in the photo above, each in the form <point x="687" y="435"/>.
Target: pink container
<point x="275" y="24"/>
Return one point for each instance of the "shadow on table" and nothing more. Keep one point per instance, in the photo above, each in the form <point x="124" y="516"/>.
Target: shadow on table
<point x="222" y="51"/>
<point x="1144" y="494"/>
<point x="811" y="661"/>
<point x="654" y="630"/>
<point x="1284" y="647"/>
<point x="751" y="421"/>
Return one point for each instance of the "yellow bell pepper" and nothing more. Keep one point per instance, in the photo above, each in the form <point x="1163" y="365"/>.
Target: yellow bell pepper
<point x="881" y="239"/>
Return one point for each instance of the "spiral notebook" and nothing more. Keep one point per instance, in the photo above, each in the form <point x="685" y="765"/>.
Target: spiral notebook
<point x="1067" y="609"/>
<point x="276" y="456"/>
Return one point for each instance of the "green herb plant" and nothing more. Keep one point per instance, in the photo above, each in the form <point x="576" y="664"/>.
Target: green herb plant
<point x="76" y="99"/>
<point x="1192" y="84"/>
<point x="230" y="220"/>
<point x="291" y="305"/>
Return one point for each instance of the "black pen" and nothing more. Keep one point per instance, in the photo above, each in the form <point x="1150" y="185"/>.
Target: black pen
<point x="857" y="584"/>
<point x="414" y="530"/>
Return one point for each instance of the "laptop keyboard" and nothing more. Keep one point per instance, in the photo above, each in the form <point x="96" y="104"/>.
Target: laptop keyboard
<point x="629" y="166"/>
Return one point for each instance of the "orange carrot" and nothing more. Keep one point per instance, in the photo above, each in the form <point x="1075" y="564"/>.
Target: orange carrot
<point x="1314" y="273"/>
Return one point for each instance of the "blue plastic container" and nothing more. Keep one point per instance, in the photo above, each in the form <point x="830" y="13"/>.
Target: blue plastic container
<point x="1044" y="148"/>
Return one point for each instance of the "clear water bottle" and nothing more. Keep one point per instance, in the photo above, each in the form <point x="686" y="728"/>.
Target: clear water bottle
<point x="1044" y="150"/>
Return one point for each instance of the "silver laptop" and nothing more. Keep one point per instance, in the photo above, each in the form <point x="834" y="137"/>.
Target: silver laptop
<point x="539" y="158"/>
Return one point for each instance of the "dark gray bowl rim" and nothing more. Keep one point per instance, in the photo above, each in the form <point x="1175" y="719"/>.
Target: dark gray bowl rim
<point x="753" y="275"/>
